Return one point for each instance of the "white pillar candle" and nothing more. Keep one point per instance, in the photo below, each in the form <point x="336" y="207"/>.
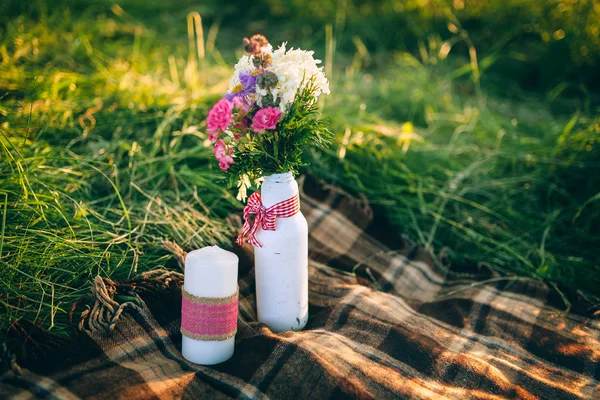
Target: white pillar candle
<point x="210" y="272"/>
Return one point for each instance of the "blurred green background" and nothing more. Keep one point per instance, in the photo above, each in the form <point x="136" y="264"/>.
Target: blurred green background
<point x="472" y="125"/>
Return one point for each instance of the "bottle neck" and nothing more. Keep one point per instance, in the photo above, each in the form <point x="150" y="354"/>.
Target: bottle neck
<point x="277" y="188"/>
<point x="280" y="178"/>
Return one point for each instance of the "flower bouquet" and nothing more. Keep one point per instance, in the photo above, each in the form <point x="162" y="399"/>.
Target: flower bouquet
<point x="270" y="113"/>
<point x="262" y="125"/>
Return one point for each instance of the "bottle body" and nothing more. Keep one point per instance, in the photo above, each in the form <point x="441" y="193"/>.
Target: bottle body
<point x="281" y="264"/>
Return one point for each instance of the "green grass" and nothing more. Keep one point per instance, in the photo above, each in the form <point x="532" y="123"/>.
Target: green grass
<point x="103" y="160"/>
<point x="104" y="157"/>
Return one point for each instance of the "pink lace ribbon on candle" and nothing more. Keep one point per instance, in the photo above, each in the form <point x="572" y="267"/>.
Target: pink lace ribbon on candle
<point x="209" y="318"/>
<point x="265" y="217"/>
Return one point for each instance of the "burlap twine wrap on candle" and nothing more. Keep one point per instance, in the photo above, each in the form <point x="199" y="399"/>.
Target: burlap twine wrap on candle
<point x="209" y="318"/>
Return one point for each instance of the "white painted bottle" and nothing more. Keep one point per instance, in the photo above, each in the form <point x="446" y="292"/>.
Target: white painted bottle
<point x="281" y="265"/>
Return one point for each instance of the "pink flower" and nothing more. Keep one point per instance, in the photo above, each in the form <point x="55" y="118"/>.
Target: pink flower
<point x="237" y="102"/>
<point x="223" y="155"/>
<point x="219" y="118"/>
<point x="265" y="118"/>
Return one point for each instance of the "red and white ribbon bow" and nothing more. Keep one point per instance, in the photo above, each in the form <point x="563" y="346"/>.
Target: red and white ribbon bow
<point x="265" y="217"/>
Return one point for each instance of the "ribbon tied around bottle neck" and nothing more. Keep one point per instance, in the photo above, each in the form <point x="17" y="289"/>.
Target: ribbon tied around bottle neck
<point x="265" y="217"/>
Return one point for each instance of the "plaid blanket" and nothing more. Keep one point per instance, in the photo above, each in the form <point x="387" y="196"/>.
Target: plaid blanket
<point x="386" y="321"/>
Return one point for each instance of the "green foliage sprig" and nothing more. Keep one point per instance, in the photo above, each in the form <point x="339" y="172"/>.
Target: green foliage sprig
<point x="278" y="151"/>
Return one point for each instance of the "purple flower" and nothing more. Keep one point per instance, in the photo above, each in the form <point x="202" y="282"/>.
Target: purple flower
<point x="249" y="82"/>
<point x="245" y="88"/>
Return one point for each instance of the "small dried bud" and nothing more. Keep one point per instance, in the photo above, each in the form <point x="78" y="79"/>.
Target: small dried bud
<point x="256" y="61"/>
<point x="269" y="101"/>
<point x="248" y="46"/>
<point x="260" y="39"/>
<point x="267" y="80"/>
<point x="254" y="44"/>
<point x="262" y="60"/>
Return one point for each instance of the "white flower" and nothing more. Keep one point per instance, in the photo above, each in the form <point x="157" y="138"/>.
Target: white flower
<point x="244" y="65"/>
<point x="243" y="186"/>
<point x="294" y="69"/>
<point x="268" y="49"/>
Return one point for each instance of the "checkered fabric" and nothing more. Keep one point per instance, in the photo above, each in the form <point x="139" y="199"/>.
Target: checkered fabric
<point x="386" y="321"/>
